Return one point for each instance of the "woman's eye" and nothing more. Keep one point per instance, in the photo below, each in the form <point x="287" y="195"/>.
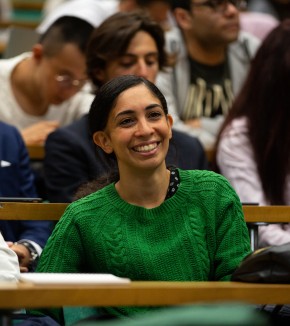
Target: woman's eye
<point x="126" y="122"/>
<point x="155" y="115"/>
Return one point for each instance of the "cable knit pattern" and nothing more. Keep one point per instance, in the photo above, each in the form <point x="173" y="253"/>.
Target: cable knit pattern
<point x="198" y="234"/>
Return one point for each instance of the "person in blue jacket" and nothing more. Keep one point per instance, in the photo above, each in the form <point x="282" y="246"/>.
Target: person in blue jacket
<point x="25" y="238"/>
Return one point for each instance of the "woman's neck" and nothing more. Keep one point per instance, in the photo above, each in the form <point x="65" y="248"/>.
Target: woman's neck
<point x="147" y="190"/>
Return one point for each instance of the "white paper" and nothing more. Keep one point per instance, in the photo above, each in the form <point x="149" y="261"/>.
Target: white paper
<point x="72" y="278"/>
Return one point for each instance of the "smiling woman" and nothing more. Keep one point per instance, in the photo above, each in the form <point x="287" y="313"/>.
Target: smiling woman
<point x="137" y="130"/>
<point x="124" y="44"/>
<point x="147" y="222"/>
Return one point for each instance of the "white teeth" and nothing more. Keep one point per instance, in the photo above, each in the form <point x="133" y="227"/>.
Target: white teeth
<point x="146" y="148"/>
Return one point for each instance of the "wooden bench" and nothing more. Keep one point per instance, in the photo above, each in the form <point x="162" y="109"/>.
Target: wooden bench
<point x="53" y="211"/>
<point x="254" y="215"/>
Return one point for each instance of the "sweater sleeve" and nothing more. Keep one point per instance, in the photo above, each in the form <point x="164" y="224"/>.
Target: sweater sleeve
<point x="64" y="251"/>
<point x="231" y="233"/>
<point x="235" y="159"/>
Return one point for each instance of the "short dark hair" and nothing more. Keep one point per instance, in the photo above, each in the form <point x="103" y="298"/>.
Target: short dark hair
<point x="184" y="4"/>
<point x="66" y="29"/>
<point x="111" y="39"/>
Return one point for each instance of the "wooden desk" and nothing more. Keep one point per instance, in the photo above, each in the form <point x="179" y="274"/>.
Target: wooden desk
<point x="21" y="23"/>
<point x="27" y="5"/>
<point x="2" y="47"/>
<point x="31" y="211"/>
<point x="209" y="152"/>
<point x="36" y="153"/>
<point x="267" y="214"/>
<point x="256" y="216"/>
<point x="15" y="296"/>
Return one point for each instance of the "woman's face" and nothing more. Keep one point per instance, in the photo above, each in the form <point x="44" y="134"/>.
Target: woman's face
<point x="140" y="59"/>
<point x="138" y="131"/>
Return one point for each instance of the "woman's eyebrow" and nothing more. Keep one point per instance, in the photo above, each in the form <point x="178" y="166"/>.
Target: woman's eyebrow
<point x="129" y="111"/>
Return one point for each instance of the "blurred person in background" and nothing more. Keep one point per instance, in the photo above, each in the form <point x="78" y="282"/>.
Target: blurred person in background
<point x="212" y="60"/>
<point x="25" y="238"/>
<point x="253" y="144"/>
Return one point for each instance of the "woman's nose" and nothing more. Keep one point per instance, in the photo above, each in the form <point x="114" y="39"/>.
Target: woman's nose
<point x="143" y="128"/>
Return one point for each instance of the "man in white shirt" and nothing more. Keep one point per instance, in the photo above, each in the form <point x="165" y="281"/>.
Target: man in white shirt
<point x="41" y="90"/>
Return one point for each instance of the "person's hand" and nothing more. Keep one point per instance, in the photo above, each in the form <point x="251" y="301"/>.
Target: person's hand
<point x="37" y="133"/>
<point x="195" y="123"/>
<point x="23" y="254"/>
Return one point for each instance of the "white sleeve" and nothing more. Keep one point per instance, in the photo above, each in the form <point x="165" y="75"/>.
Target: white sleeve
<point x="84" y="104"/>
<point x="236" y="163"/>
<point x="274" y="234"/>
<point x="9" y="266"/>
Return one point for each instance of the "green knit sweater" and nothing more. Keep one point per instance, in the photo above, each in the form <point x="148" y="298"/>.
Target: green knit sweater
<point x="199" y="234"/>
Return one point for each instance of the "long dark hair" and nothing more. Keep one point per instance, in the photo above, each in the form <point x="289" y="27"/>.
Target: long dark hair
<point x="104" y="102"/>
<point x="265" y="101"/>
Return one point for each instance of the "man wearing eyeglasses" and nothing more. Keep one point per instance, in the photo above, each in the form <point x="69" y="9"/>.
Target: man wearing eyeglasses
<point x="212" y="59"/>
<point x="42" y="89"/>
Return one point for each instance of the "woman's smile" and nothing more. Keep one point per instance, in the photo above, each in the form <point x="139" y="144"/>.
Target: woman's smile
<point x="146" y="148"/>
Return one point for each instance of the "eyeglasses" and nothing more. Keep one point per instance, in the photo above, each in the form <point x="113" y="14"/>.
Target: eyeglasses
<point x="66" y="81"/>
<point x="220" y="6"/>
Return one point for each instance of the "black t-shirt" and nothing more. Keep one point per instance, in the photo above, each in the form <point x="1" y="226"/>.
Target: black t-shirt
<point x="210" y="92"/>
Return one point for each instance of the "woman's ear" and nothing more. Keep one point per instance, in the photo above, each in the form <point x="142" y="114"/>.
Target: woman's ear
<point x="170" y="122"/>
<point x="102" y="140"/>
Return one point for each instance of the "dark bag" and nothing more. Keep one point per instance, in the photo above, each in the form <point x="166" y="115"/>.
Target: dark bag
<point x="266" y="265"/>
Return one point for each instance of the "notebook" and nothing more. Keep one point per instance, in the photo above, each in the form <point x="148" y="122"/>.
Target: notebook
<point x="72" y="278"/>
